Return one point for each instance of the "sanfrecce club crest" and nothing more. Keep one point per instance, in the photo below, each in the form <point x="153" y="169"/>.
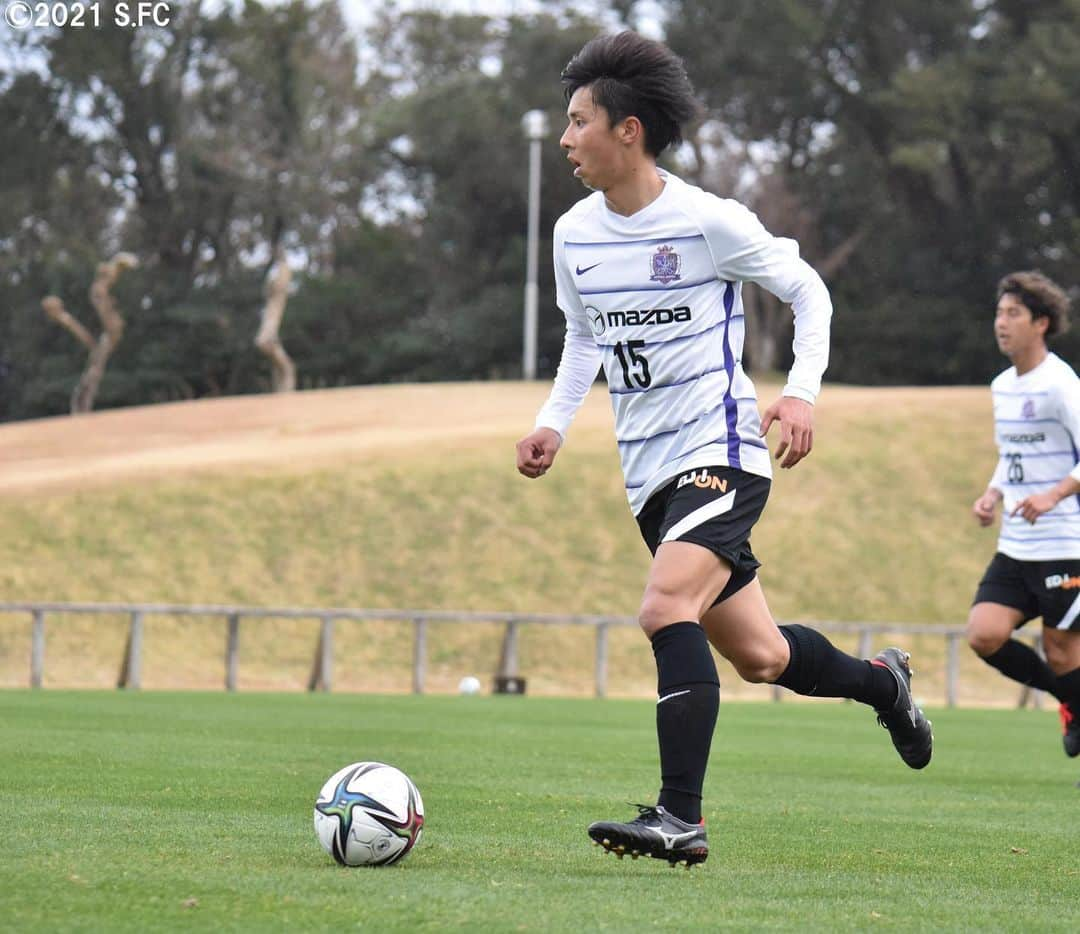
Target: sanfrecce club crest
<point x="665" y="265"/>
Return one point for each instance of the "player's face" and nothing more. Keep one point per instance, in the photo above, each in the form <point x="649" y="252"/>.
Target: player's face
<point x="1015" y="328"/>
<point x="591" y="143"/>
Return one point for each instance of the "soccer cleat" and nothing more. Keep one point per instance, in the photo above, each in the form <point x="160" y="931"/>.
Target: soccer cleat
<point x="912" y="734"/>
<point x="1070" y="731"/>
<point x="656" y="833"/>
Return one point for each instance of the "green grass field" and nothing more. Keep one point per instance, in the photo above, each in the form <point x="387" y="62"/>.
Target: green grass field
<point x="161" y="811"/>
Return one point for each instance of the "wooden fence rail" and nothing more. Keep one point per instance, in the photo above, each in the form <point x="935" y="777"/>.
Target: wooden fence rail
<point x="321" y="679"/>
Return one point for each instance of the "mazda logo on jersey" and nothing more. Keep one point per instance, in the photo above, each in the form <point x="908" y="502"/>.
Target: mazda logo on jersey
<point x="596" y="320"/>
<point x="637" y="317"/>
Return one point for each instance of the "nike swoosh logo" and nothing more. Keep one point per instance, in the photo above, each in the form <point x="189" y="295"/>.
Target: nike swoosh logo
<point x="582" y="272"/>
<point x="669" y="696"/>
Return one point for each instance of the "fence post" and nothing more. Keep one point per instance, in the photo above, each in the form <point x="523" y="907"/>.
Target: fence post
<point x="322" y="672"/>
<point x="508" y="667"/>
<point x="131" y="667"/>
<point x="232" y="648"/>
<point x="952" y="669"/>
<point x="866" y="640"/>
<point x="419" y="658"/>
<point x="37" y="649"/>
<point x="601" y="659"/>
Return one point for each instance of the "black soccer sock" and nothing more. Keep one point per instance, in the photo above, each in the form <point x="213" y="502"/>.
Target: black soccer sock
<point x="1067" y="690"/>
<point x="819" y="668"/>
<point x="1022" y="663"/>
<point x="688" y="699"/>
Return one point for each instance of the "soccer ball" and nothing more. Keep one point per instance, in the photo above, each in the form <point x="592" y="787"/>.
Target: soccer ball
<point x="469" y="685"/>
<point x="368" y="814"/>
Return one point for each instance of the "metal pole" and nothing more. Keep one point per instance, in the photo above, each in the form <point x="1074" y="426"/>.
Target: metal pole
<point x="528" y="364"/>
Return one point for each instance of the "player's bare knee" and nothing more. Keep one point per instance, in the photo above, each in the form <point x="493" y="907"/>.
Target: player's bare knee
<point x="760" y="666"/>
<point x="659" y="609"/>
<point x="984" y="640"/>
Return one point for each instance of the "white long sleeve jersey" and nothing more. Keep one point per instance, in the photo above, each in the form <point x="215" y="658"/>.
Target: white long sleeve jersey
<point x="1037" y="426"/>
<point x="656" y="299"/>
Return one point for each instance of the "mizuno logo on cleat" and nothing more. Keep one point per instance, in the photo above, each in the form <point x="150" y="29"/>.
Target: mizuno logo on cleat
<point x="670" y="839"/>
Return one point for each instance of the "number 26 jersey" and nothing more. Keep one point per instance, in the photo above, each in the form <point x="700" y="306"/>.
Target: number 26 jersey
<point x="1037" y="427"/>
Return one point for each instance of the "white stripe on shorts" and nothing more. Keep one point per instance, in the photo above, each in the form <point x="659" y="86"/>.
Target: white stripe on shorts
<point x="702" y="514"/>
<point x="1070" y="616"/>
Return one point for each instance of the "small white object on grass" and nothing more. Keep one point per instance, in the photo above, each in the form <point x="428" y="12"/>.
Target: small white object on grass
<point x="469" y="685"/>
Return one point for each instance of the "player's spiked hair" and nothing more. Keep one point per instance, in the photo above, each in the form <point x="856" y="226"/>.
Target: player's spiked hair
<point x="1043" y="297"/>
<point x="630" y="75"/>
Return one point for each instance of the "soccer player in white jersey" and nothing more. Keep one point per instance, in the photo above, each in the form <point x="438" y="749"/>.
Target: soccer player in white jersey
<point x="1036" y="570"/>
<point x="649" y="272"/>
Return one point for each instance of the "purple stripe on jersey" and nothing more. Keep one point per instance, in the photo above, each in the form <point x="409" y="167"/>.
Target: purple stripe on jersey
<point x="1076" y="459"/>
<point x="1058" y="513"/>
<point x="731" y="407"/>
<point x="755" y="444"/>
<point x="652" y="387"/>
<point x="669" y="431"/>
<point x="627" y="242"/>
<point x="673" y="340"/>
<point x="1025" y="541"/>
<point x="671" y="287"/>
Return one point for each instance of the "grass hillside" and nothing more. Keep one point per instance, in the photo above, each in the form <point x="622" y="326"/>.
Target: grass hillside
<point x="407" y="497"/>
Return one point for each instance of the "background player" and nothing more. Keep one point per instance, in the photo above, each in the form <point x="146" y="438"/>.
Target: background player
<point x="649" y="272"/>
<point x="1036" y="570"/>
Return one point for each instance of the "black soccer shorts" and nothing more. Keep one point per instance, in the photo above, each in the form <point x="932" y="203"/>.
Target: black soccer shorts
<point x="1050" y="589"/>
<point x="715" y="507"/>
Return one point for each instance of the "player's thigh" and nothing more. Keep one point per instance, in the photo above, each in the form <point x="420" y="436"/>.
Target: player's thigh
<point x="683" y="581"/>
<point x="1062" y="648"/>
<point x="1003" y="600"/>
<point x="991" y="625"/>
<point x="698" y="529"/>
<point x="743" y="631"/>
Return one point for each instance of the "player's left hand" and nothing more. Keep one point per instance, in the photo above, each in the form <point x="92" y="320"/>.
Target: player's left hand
<point x="1031" y="507"/>
<point x="796" y="419"/>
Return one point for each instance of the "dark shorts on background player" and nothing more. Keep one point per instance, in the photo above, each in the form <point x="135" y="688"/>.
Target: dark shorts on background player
<point x="1050" y="589"/>
<point x="715" y="507"/>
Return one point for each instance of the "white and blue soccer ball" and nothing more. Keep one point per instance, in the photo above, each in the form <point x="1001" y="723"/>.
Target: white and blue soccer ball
<point x="369" y="814"/>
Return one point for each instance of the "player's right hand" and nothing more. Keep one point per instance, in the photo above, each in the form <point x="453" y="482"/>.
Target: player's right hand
<point x="536" y="452"/>
<point x="984" y="508"/>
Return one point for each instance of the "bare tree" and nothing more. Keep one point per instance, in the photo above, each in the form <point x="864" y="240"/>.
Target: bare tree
<point x="726" y="165"/>
<point x="276" y="292"/>
<point x="82" y="398"/>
